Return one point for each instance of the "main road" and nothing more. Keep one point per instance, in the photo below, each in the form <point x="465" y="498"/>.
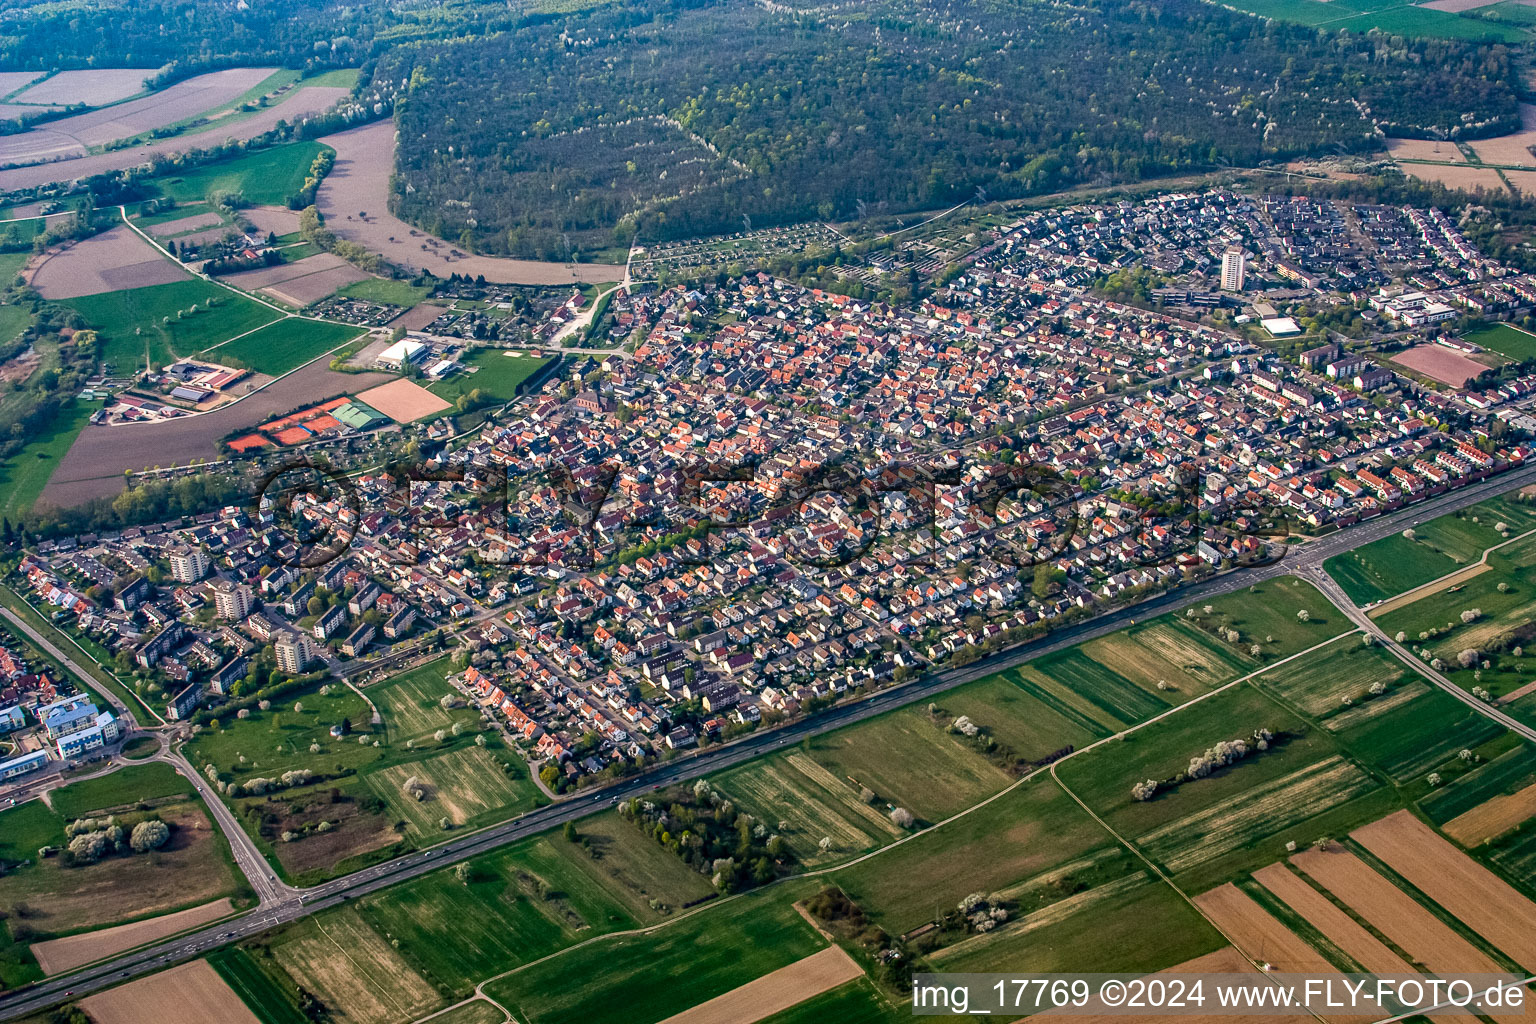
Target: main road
<point x="1305" y="560"/>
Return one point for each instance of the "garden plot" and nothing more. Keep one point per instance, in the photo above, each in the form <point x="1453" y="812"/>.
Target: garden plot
<point x="115" y="260"/>
<point x="1257" y="812"/>
<point x="190" y="994"/>
<point x="814" y="803"/>
<point x="460" y="785"/>
<point x="1476" y="896"/>
<point x="354" y="971"/>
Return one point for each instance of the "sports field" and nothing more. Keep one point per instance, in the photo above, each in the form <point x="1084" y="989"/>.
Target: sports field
<point x="496" y="374"/>
<point x="1506" y="339"/>
<point x="282" y="346"/>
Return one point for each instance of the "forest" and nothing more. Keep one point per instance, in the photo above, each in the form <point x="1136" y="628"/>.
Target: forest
<point x="680" y="118"/>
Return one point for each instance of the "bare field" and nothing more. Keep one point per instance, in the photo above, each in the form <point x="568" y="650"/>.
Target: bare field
<point x="775" y="991"/>
<point x="1476" y="896"/>
<point x="403" y="400"/>
<point x="355" y="972"/>
<point x="190" y="994"/>
<point x="1395" y="914"/>
<point x="417" y="317"/>
<point x="175" y="227"/>
<point x="73" y="951"/>
<point x="1493" y="817"/>
<point x="1524" y="181"/>
<point x="1467" y="179"/>
<point x="1335" y="925"/>
<point x="1437" y="361"/>
<point x="92" y="87"/>
<point x="1511" y="150"/>
<point x="276" y="220"/>
<point x="359" y="183"/>
<point x="10" y="81"/>
<point x="1261" y="936"/>
<point x="1426" y="149"/>
<point x="311" y="288"/>
<point x="298" y="103"/>
<point x="254" y="280"/>
<point x="179" y="102"/>
<point x="93" y="467"/>
<point x="1224" y="961"/>
<point x="114" y="260"/>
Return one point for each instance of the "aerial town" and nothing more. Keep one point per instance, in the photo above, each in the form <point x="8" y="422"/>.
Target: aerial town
<point x="726" y="513"/>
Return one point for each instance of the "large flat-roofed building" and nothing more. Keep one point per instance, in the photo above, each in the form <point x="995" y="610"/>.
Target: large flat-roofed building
<point x="16" y="766"/>
<point x="402" y="352"/>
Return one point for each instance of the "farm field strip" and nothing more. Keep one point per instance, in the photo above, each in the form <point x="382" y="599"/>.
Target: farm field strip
<point x="815" y="804"/>
<point x="1227" y="826"/>
<point x="1333" y="924"/>
<point x="1493" y="818"/>
<point x="58" y="955"/>
<point x="192" y="993"/>
<point x="775" y="991"/>
<point x="1056" y="912"/>
<point x="355" y="972"/>
<point x="1392" y="912"/>
<point x="1258" y="933"/>
<point x="1476" y="896"/>
<point x="460" y="785"/>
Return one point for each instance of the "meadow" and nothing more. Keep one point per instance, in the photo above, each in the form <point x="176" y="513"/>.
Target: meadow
<point x="465" y="786"/>
<point x="158" y="313"/>
<point x="265" y="996"/>
<point x="1320" y="684"/>
<point x="532" y="899"/>
<point x="25" y="474"/>
<point x="632" y="979"/>
<point x="411" y="703"/>
<point x="1409" y="740"/>
<point x="266" y="177"/>
<point x="810" y="805"/>
<point x="388" y="292"/>
<point x="1027" y="832"/>
<point x="284" y="345"/>
<point x="119" y="789"/>
<point x="497" y="375"/>
<point x="909" y="761"/>
<point x="353" y="970"/>
<point x="1508" y="773"/>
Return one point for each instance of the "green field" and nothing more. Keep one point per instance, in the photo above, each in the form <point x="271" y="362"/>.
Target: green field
<point x="496" y="374"/>
<point x="1319" y="684"/>
<point x="285" y="345"/>
<point x="266" y="177"/>
<point x="522" y="903"/>
<point x="388" y="292"/>
<point x="856" y="1002"/>
<point x="466" y="786"/>
<point x="1387" y="16"/>
<point x="24" y="475"/>
<point x="1029" y="831"/>
<point x="154" y="312"/>
<point x="271" y="742"/>
<point x="120" y="788"/>
<point x="1266" y="614"/>
<point x="909" y="761"/>
<point x="261" y="993"/>
<point x="1395" y="564"/>
<point x="1507" y="340"/>
<point x="1408" y="740"/>
<point x="1508" y="773"/>
<point x="633" y="979"/>
<point x="411" y="703"/>
<point x="1301" y="776"/>
<point x="1386" y="567"/>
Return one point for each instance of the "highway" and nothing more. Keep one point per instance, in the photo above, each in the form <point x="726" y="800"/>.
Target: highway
<point x="282" y="904"/>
